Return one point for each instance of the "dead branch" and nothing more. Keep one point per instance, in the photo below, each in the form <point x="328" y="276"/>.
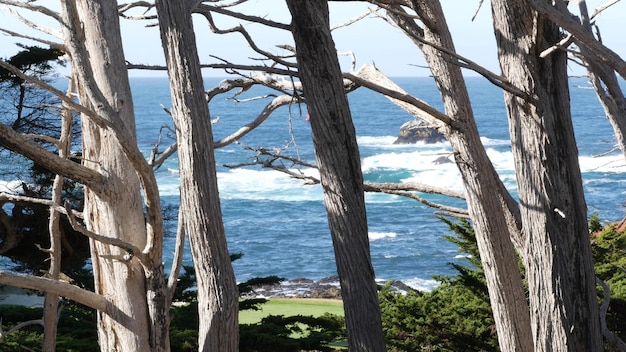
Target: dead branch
<point x="480" y="5"/>
<point x="28" y="5"/>
<point x="51" y="44"/>
<point x="19" y="326"/>
<point x="124" y="8"/>
<point x="369" y="77"/>
<point x="61" y="288"/>
<point x="351" y="21"/>
<point x="267" y="111"/>
<point x="611" y="338"/>
<point x="222" y="10"/>
<point x="178" y="257"/>
<point x="36" y="26"/>
<point x="131" y="250"/>
<point x="17" y="143"/>
<point x="413" y="31"/>
<point x="568" y="23"/>
<point x="599" y="9"/>
<point x="206" y="11"/>
<point x="458" y="212"/>
<point x="401" y="189"/>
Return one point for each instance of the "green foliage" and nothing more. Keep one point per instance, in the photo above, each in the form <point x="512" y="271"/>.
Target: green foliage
<point x="291" y="334"/>
<point x="76" y="329"/>
<point x="609" y="254"/>
<point x="455" y="316"/>
<point x="31" y="60"/>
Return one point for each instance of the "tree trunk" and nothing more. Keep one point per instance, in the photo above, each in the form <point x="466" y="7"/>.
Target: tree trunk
<point x="217" y="289"/>
<point x="338" y="160"/>
<point x="559" y="268"/>
<point x="94" y="43"/>
<point x="491" y="208"/>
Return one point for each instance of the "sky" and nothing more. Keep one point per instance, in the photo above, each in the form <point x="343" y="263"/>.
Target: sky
<point x="371" y="40"/>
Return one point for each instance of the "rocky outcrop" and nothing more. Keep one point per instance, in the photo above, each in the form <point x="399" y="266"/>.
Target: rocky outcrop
<point x="418" y="131"/>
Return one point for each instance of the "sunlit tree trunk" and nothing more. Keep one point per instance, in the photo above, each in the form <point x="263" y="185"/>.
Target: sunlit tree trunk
<point x="338" y="160"/>
<point x="557" y="254"/>
<point x="200" y="204"/>
<point x="94" y="43"/>
<point x="492" y="210"/>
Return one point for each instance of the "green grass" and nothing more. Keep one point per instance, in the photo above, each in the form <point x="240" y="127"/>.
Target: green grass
<point x="292" y="306"/>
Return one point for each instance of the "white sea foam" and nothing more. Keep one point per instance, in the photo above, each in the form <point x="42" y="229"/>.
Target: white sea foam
<point x="613" y="163"/>
<point x="421" y="284"/>
<point x="377" y="141"/>
<point x="10" y="187"/>
<point x="373" y="236"/>
<point x="266" y="185"/>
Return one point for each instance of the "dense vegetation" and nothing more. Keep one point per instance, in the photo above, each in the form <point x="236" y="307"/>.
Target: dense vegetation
<point x="456" y="316"/>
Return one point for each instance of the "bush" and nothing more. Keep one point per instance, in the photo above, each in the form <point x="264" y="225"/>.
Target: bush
<point x="455" y="316"/>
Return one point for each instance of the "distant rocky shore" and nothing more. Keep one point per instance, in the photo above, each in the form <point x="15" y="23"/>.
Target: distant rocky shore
<point x="327" y="288"/>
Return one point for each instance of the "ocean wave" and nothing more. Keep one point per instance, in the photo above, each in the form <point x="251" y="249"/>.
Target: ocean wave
<point x="613" y="163"/>
<point x="420" y="284"/>
<point x="11" y="187"/>
<point x="374" y="236"/>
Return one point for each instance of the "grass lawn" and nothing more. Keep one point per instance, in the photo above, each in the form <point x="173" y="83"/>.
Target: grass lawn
<point x="292" y="306"/>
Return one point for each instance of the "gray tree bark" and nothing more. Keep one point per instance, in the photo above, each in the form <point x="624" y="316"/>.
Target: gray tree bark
<point x="557" y="253"/>
<point x="493" y="212"/>
<point x="218" y="304"/>
<point x="338" y="160"/>
<point x="134" y="286"/>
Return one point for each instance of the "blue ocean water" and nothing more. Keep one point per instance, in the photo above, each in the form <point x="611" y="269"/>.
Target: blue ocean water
<point x="279" y="224"/>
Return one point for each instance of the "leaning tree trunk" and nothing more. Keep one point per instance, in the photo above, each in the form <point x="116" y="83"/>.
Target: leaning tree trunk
<point x="218" y="304"/>
<point x="557" y="256"/>
<point x="94" y="43"/>
<point x="492" y="210"/>
<point x="338" y="160"/>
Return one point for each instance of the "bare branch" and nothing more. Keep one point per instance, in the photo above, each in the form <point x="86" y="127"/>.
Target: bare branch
<point x="351" y="21"/>
<point x="178" y="256"/>
<point x="400" y="189"/>
<point x="132" y="251"/>
<point x="36" y="26"/>
<point x="51" y="44"/>
<point x="205" y="10"/>
<point x="599" y="10"/>
<point x="267" y="111"/>
<point x="15" y="142"/>
<point x="19" y="326"/>
<point x="458" y="211"/>
<point x="369" y="77"/>
<point x="61" y="288"/>
<point x="568" y="23"/>
<point x="480" y="5"/>
<point x="611" y="338"/>
<point x="413" y="31"/>
<point x="28" y="5"/>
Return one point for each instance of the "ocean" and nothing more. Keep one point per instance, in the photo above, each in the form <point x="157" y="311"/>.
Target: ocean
<point x="279" y="223"/>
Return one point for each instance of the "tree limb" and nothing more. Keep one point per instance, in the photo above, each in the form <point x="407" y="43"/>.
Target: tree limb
<point x="88" y="177"/>
<point x="567" y="22"/>
<point x="61" y="288"/>
<point x="612" y="339"/>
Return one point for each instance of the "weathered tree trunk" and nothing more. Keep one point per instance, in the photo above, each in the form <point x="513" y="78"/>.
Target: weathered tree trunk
<point x="94" y="43"/>
<point x="559" y="268"/>
<point x="492" y="210"/>
<point x="217" y="289"/>
<point x="337" y="155"/>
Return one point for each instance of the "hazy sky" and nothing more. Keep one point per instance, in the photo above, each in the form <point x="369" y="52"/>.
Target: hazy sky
<point x="371" y="39"/>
